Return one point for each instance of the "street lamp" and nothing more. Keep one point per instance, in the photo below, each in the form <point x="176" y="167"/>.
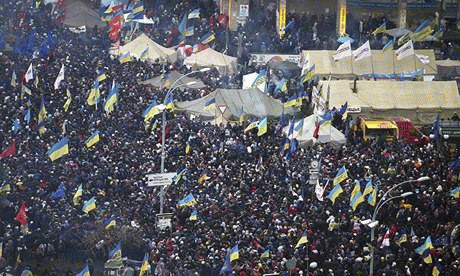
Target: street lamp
<point x="163" y="127"/>
<point x="373" y="223"/>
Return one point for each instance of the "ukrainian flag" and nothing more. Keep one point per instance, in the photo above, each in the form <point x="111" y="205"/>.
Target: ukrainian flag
<point x="203" y="177"/>
<point x="372" y="199"/>
<point x="455" y="192"/>
<point x="42" y="114"/>
<point x="369" y="188"/>
<point x="282" y="85"/>
<point x="84" y="272"/>
<point x="251" y="126"/>
<point x="261" y="78"/>
<point x="210" y="105"/>
<point x="265" y="255"/>
<point x="151" y="111"/>
<point x="437" y="268"/>
<point x="59" y="149"/>
<point x="293" y="101"/>
<point x="68" y="101"/>
<point x="112" y="98"/>
<point x="93" y="139"/>
<point x="110" y="223"/>
<point x="380" y="29"/>
<point x="115" y="253"/>
<point x="145" y="265"/>
<point x="357" y="199"/>
<point x="427" y="257"/>
<point x="335" y="192"/>
<point x="193" y="215"/>
<point x="102" y="77"/>
<point x="356" y="189"/>
<point x="208" y="37"/>
<point x="125" y="58"/>
<point x="77" y="195"/>
<point x="303" y="239"/>
<point x="188" y="200"/>
<point x="426" y="245"/>
<point x="234" y="253"/>
<point x="169" y="101"/>
<point x="89" y="205"/>
<point x="340" y="176"/>
<point x="262" y="126"/>
<point x="144" y="55"/>
<point x="94" y="94"/>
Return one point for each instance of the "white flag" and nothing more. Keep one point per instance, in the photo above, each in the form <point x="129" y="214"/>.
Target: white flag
<point x="29" y="74"/>
<point x="319" y="191"/>
<point x="405" y="50"/>
<point x="59" y="78"/>
<point x="423" y="59"/>
<point x="343" y="51"/>
<point x="362" y="52"/>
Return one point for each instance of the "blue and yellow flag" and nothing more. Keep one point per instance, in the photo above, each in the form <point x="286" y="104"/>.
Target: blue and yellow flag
<point x="356" y="189"/>
<point x="101" y="77"/>
<point x="145" y="265"/>
<point x="42" y="116"/>
<point x="208" y="37"/>
<point x="427" y="257"/>
<point x="77" y="195"/>
<point x="94" y="94"/>
<point x="59" y="149"/>
<point x="188" y="200"/>
<point x="145" y="54"/>
<point x="193" y="215"/>
<point x="93" y="139"/>
<point x="126" y="57"/>
<point x="380" y="29"/>
<point x="340" y="176"/>
<point x="169" y="101"/>
<point x="303" y="239"/>
<point x="437" y="268"/>
<point x="115" y="253"/>
<point x="68" y="101"/>
<point x="260" y="79"/>
<point x="251" y="126"/>
<point x="281" y="86"/>
<point x="372" y="198"/>
<point x="266" y="254"/>
<point x="151" y="111"/>
<point x="369" y="188"/>
<point x="455" y="192"/>
<point x="426" y="245"/>
<point x="89" y="205"/>
<point x="335" y="192"/>
<point x="389" y="46"/>
<point x="262" y="126"/>
<point x="203" y="177"/>
<point x="234" y="253"/>
<point x="210" y="105"/>
<point x="84" y="272"/>
<point x="110" y="223"/>
<point x="112" y="98"/>
<point x="356" y="200"/>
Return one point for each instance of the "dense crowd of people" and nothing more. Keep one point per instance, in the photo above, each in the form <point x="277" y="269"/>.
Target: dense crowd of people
<point x="249" y="190"/>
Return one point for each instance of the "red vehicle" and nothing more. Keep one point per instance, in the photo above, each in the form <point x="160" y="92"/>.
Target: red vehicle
<point x="409" y="132"/>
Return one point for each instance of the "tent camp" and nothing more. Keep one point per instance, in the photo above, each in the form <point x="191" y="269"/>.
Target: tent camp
<point x="383" y="63"/>
<point x="326" y="134"/>
<point x="173" y="76"/>
<point x="419" y="101"/>
<point x="211" y="58"/>
<point x="78" y="14"/>
<point x="148" y="49"/>
<point x="231" y="104"/>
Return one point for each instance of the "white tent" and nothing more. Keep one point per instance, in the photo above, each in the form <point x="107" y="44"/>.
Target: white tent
<point x="211" y="58"/>
<point x="155" y="51"/>
<point x="326" y="134"/>
<point x="230" y="104"/>
<point x="78" y="14"/>
<point x="419" y="101"/>
<point x="173" y="76"/>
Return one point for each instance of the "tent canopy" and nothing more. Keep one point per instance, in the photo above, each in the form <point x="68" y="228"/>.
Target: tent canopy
<point x="384" y="63"/>
<point x="155" y="51"/>
<point x="171" y="77"/>
<point x="211" y="58"/>
<point x="233" y="103"/>
<point x="326" y="134"/>
<point x="419" y="101"/>
<point x="78" y="14"/>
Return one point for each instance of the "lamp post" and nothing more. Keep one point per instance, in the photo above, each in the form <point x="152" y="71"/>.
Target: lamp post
<point x="383" y="201"/>
<point x="163" y="127"/>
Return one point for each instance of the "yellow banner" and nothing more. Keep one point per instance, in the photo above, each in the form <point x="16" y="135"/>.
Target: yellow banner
<point x="343" y="21"/>
<point x="282" y="18"/>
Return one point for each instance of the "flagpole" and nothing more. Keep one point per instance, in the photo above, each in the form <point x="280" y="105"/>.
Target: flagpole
<point x="372" y="66"/>
<point x="394" y="65"/>
<point x="415" y="63"/>
<point x="351" y="64"/>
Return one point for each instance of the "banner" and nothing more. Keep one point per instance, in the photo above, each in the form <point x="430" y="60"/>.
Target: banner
<point x="282" y="18"/>
<point x="405" y="50"/>
<point x="342" y="21"/>
<point x="362" y="52"/>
